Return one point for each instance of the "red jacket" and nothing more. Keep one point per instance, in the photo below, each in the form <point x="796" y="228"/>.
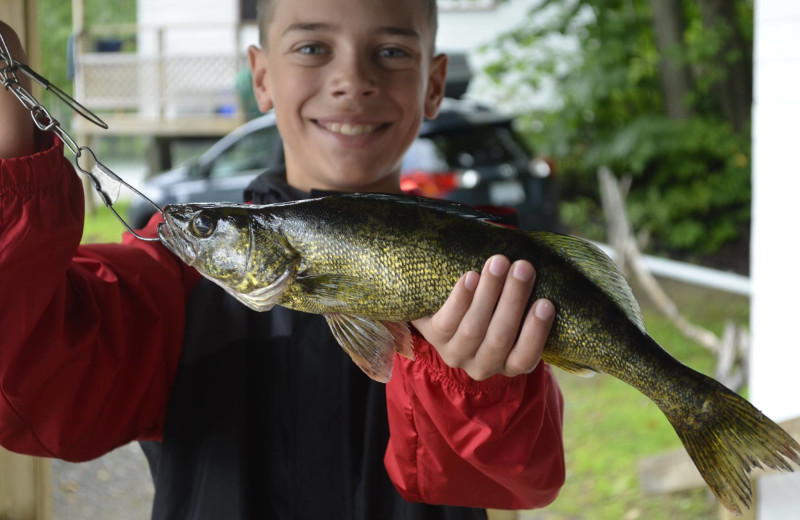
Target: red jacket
<point x="91" y="336"/>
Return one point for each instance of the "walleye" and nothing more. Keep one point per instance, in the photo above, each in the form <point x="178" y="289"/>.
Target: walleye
<point x="370" y="263"/>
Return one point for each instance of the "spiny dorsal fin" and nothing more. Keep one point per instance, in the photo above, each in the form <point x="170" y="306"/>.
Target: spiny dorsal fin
<point x="446" y="206"/>
<point x="597" y="267"/>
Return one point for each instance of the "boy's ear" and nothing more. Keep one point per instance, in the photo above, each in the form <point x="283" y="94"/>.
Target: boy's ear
<point x="258" y="67"/>
<point x="436" y="83"/>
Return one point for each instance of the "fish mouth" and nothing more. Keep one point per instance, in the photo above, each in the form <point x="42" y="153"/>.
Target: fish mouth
<point x="176" y="241"/>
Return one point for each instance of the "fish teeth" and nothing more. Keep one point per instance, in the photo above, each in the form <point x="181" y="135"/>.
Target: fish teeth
<point x="349" y="129"/>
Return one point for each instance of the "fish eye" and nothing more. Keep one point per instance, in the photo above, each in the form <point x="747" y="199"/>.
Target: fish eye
<point x="202" y="225"/>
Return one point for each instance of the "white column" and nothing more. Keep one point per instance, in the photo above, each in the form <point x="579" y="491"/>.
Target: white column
<point x="775" y="311"/>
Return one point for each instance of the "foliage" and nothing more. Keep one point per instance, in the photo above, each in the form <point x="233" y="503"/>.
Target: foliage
<point x="56" y="28"/>
<point x="691" y="184"/>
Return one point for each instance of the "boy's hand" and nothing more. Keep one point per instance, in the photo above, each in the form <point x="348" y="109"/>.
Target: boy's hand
<point x="16" y="125"/>
<point x="483" y="329"/>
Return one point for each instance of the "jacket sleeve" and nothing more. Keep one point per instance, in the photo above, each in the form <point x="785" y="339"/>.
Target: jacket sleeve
<point x="455" y="441"/>
<point x="91" y="335"/>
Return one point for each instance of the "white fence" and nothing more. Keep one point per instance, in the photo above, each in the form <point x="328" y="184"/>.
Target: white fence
<point x="693" y="274"/>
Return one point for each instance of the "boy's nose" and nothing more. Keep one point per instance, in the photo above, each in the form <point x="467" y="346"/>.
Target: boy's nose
<point x="353" y="78"/>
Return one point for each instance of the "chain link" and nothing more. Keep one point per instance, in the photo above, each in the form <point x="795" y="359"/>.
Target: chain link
<point x="105" y="182"/>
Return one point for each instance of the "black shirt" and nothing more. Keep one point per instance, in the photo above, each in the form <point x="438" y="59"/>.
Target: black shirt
<point x="269" y="419"/>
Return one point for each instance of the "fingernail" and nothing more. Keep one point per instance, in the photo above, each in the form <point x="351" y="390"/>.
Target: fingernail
<point x="522" y="271"/>
<point x="544" y="310"/>
<point x="497" y="266"/>
<point x="471" y="280"/>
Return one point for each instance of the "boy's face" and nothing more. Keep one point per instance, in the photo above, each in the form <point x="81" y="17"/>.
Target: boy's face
<point x="350" y="81"/>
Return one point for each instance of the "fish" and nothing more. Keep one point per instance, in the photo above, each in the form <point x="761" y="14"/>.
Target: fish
<point x="371" y="263"/>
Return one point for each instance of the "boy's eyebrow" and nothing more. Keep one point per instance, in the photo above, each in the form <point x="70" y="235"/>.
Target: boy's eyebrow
<point x="320" y="26"/>
<point x="399" y="31"/>
<point x="304" y="26"/>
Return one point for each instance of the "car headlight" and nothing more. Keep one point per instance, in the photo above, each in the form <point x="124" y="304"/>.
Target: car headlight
<point x="540" y="168"/>
<point x="469" y="179"/>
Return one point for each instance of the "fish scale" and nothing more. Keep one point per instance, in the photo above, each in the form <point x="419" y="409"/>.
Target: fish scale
<point x="370" y="263"/>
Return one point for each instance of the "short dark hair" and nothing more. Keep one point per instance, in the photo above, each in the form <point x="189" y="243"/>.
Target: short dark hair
<point x="265" y="8"/>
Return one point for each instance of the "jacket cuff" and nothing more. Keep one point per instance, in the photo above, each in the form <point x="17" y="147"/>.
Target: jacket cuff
<point x="30" y="171"/>
<point x="455" y="379"/>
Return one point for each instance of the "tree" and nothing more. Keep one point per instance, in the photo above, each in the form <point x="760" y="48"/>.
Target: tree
<point x="659" y="89"/>
<point x="668" y="26"/>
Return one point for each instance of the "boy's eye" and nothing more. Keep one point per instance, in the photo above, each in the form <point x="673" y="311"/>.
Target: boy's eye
<point x="392" y="52"/>
<point x="311" y="49"/>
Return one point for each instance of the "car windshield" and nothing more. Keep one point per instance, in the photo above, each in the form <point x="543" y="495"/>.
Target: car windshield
<point x="251" y="152"/>
<point x="471" y="147"/>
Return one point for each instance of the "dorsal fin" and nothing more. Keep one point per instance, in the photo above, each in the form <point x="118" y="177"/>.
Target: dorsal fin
<point x="445" y="206"/>
<point x="597" y="267"/>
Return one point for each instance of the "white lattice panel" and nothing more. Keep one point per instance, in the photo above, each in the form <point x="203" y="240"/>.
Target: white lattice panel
<point x="174" y="84"/>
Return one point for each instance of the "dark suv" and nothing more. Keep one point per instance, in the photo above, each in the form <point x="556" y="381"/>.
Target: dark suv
<point x="468" y="154"/>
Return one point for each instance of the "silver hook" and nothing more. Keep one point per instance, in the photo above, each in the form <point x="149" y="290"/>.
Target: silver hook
<point x="107" y="185"/>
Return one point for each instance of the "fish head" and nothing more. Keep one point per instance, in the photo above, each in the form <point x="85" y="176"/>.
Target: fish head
<point x="220" y="242"/>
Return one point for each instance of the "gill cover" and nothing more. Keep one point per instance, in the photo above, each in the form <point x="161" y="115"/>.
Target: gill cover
<point x="220" y="242"/>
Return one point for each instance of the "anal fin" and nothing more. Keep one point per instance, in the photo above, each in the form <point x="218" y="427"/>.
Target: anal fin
<point x="572" y="367"/>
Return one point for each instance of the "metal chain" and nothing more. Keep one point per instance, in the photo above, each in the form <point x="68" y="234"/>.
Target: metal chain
<point x="105" y="182"/>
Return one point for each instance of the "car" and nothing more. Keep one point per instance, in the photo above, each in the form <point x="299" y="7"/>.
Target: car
<point x="468" y="154"/>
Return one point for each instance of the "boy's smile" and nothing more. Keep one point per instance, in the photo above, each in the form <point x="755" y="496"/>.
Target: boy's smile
<point x="350" y="81"/>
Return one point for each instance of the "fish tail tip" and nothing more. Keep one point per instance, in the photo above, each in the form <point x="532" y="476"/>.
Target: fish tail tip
<point x="729" y="440"/>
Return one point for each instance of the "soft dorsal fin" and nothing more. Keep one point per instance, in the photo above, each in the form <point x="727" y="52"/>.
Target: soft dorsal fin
<point x="597" y="267"/>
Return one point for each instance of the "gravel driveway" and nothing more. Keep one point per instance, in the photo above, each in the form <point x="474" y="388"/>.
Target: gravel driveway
<point x="117" y="485"/>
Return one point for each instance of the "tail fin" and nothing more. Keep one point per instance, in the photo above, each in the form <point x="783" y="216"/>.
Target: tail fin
<point x="728" y="440"/>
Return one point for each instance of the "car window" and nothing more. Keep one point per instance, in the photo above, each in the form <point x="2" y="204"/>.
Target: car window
<point x="471" y="147"/>
<point x="251" y="152"/>
<point x="423" y="155"/>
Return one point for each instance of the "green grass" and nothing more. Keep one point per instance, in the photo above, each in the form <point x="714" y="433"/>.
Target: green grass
<point x="608" y="427"/>
<point x="102" y="226"/>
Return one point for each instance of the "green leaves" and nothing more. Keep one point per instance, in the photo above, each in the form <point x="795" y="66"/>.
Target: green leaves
<point x="691" y="177"/>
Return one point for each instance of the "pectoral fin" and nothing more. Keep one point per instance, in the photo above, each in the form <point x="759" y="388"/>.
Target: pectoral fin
<point x="371" y="344"/>
<point x="335" y="290"/>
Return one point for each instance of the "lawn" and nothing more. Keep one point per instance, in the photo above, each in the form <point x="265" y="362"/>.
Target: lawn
<point x="102" y="226"/>
<point x="608" y="426"/>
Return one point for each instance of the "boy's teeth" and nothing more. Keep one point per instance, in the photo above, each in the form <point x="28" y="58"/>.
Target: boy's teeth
<point x="348" y="129"/>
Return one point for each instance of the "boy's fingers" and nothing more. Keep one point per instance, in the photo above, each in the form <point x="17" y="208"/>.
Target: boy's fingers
<point x="473" y="327"/>
<point x="446" y="320"/>
<point x="506" y="319"/>
<point x="527" y="351"/>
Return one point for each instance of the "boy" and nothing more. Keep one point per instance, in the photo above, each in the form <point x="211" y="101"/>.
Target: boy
<point x="260" y="415"/>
